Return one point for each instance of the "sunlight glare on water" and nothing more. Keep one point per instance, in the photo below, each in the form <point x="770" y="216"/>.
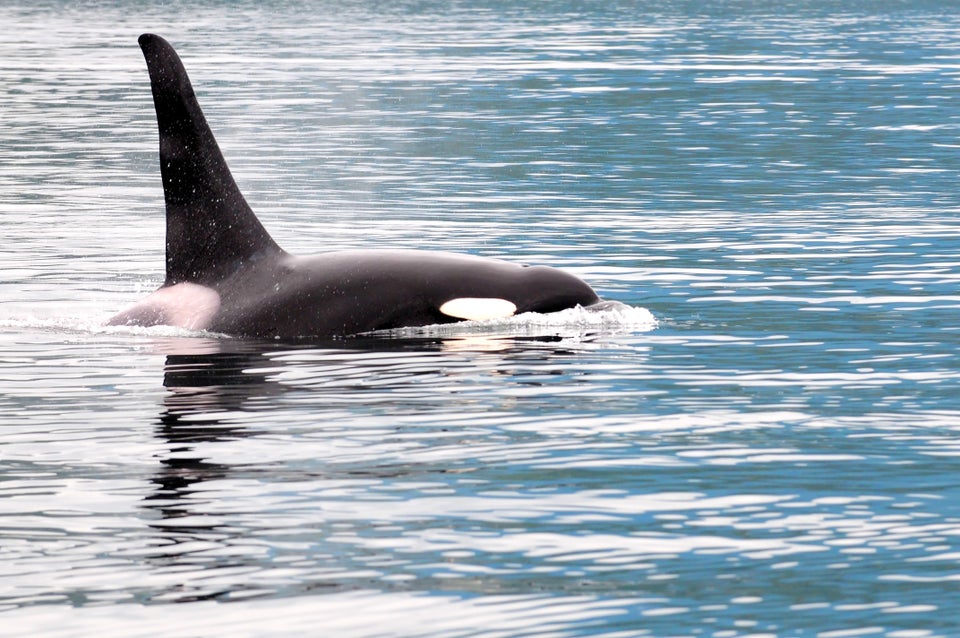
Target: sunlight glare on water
<point x="759" y="438"/>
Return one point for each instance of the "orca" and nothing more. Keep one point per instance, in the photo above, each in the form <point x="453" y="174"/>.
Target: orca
<point x="225" y="274"/>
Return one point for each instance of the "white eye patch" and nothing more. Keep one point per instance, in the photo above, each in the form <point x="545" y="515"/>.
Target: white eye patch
<point x="478" y="308"/>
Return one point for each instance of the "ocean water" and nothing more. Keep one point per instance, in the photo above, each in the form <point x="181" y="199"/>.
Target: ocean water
<point x="764" y="442"/>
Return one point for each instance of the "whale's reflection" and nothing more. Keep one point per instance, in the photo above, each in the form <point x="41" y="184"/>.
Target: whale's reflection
<point x="214" y="388"/>
<point x="205" y="379"/>
<point x="210" y="381"/>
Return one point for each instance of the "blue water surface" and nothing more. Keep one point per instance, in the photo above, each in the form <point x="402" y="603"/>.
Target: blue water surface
<point x="775" y="454"/>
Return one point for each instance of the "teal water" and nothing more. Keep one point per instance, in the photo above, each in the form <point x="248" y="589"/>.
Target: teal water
<point x="775" y="455"/>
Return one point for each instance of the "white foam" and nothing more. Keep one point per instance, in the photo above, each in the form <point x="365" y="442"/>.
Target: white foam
<point x="94" y="326"/>
<point x="611" y="317"/>
<point x="606" y="317"/>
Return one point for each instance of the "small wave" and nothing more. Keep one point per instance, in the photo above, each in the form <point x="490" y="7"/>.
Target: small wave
<point x="92" y="325"/>
<point x="607" y="316"/>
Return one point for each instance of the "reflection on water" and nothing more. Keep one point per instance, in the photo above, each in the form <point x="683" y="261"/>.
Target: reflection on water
<point x="215" y="385"/>
<point x="202" y="386"/>
<point x="775" y="455"/>
<point x="408" y="465"/>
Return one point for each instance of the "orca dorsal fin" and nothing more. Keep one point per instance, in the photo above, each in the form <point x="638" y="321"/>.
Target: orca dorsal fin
<point x="211" y="229"/>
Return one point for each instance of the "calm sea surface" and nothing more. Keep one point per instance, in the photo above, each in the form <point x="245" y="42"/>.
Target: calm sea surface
<point x="776" y="453"/>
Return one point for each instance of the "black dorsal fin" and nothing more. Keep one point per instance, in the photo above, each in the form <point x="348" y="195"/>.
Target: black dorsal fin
<point x="211" y="229"/>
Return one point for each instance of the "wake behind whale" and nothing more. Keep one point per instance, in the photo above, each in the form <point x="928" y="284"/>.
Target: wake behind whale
<point x="225" y="274"/>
